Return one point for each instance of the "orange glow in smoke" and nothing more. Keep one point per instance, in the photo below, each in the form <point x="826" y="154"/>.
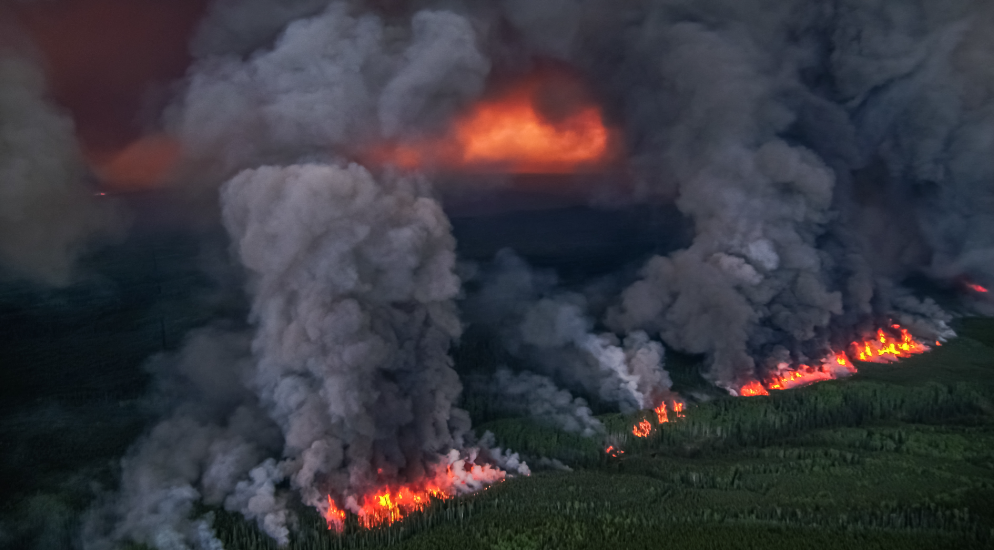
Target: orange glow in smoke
<point x="976" y="288"/>
<point x="544" y="124"/>
<point x="144" y="164"/>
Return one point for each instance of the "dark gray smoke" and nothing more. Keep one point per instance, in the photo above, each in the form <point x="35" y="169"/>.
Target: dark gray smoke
<point x="347" y="384"/>
<point x="550" y="330"/>
<point x="823" y="151"/>
<point x="47" y="212"/>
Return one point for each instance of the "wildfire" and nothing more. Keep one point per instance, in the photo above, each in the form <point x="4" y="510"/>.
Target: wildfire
<point x="545" y="123"/>
<point x="393" y="503"/>
<point x="644" y="427"/>
<point x="753" y="388"/>
<point x="886" y="346"/>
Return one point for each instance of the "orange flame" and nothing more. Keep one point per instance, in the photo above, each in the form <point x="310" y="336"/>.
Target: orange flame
<point x="544" y="123"/>
<point x="661" y="413"/>
<point x="884" y="347"/>
<point x="753" y="388"/>
<point x="391" y="503"/>
<point x="642" y="429"/>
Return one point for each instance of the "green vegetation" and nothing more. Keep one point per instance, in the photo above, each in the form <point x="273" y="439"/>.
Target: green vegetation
<point x="900" y="456"/>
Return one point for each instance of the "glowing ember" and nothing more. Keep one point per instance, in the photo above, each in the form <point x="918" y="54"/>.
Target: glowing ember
<point x="614" y="452"/>
<point x="976" y="288"/>
<point x="543" y="124"/>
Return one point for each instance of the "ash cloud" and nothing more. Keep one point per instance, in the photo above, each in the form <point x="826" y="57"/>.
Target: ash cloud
<point x="48" y="214"/>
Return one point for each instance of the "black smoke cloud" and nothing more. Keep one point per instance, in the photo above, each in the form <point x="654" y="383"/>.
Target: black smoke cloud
<point x="823" y="152"/>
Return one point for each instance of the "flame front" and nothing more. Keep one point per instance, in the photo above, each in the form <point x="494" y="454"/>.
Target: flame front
<point x="886" y="346"/>
<point x="392" y="503"/>
<point x="976" y="288"/>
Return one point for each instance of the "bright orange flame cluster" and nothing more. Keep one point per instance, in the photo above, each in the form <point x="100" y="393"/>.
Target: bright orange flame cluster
<point x="644" y="427"/>
<point x="886" y="348"/>
<point x="509" y="132"/>
<point x="753" y="388"/>
<point x="385" y="507"/>
<point x="883" y="348"/>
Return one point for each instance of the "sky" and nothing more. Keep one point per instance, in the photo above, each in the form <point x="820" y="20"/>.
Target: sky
<point x="111" y="62"/>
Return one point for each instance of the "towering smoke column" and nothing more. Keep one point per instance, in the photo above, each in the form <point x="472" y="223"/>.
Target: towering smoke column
<point x="346" y="390"/>
<point x="47" y="214"/>
<point x="353" y="287"/>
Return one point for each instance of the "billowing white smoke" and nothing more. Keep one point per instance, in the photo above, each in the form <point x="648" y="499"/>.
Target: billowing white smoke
<point x="47" y="213"/>
<point x="552" y="332"/>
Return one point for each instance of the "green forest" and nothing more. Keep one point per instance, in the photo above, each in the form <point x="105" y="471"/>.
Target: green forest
<point x="899" y="456"/>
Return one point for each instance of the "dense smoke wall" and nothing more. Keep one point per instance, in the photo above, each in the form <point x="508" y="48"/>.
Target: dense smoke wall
<point x="823" y="151"/>
<point x="47" y="212"/>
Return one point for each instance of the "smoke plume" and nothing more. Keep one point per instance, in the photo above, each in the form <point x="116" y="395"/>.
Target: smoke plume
<point x="47" y="213"/>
